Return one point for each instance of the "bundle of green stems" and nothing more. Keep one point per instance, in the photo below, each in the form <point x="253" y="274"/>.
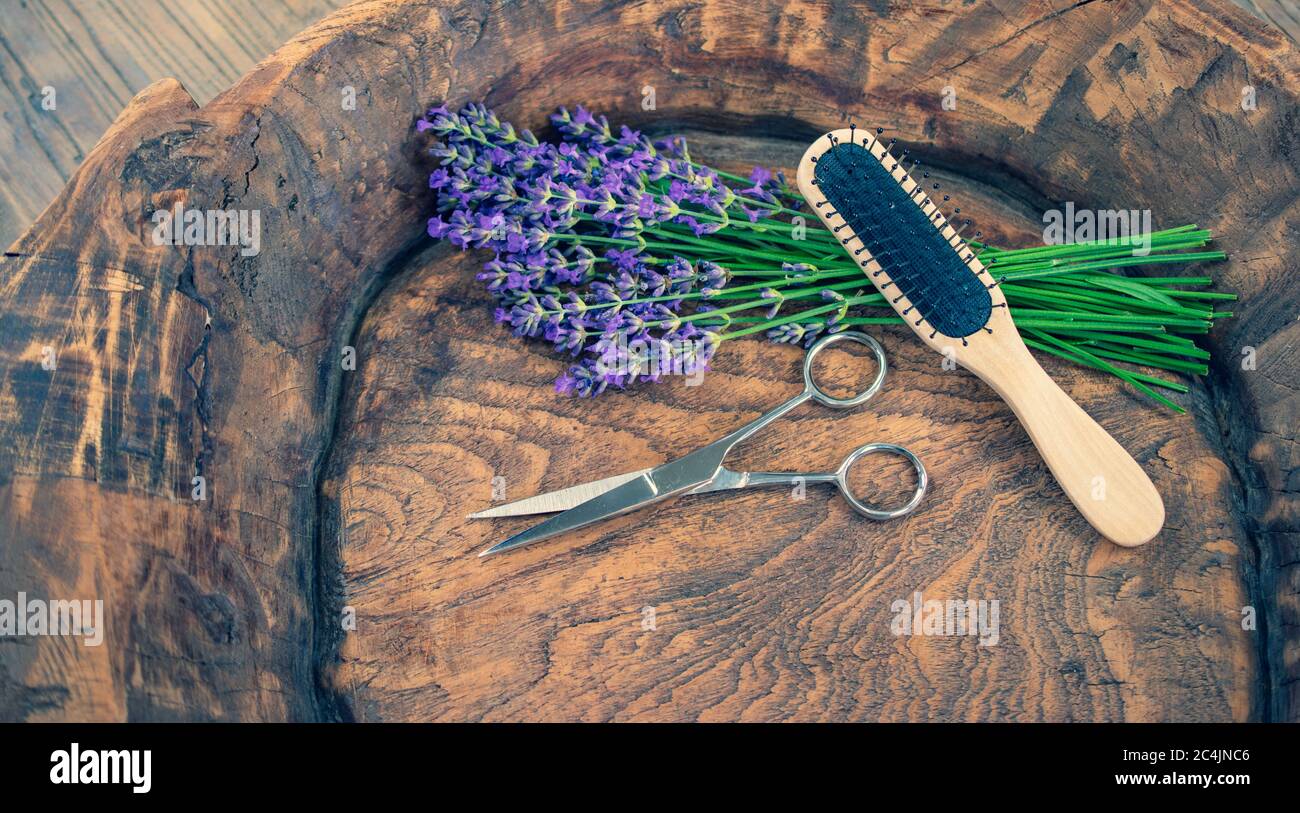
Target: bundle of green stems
<point x="1067" y="300"/>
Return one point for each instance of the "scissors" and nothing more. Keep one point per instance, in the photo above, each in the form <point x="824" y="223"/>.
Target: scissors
<point x="701" y="471"/>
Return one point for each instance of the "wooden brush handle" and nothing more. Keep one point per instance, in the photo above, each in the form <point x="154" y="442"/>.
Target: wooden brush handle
<point x="1107" y="485"/>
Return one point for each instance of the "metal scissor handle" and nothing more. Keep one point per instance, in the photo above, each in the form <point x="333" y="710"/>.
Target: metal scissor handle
<point x="715" y="452"/>
<point x="840" y="477"/>
<point x="871" y="511"/>
<point x="810" y="388"/>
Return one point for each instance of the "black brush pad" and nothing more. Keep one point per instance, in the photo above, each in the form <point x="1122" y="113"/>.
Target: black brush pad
<point x="915" y="255"/>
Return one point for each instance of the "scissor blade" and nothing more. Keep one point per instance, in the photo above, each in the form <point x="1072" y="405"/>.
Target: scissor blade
<point x="559" y="500"/>
<point x="660" y="483"/>
<point x="618" y="500"/>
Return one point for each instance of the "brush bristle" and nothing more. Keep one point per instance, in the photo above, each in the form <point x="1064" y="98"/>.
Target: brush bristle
<point x="918" y="259"/>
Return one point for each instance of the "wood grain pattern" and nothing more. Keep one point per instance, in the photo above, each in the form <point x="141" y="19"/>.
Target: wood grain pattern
<point x="335" y="491"/>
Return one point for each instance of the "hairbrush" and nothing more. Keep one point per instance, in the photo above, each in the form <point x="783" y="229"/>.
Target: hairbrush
<point x="890" y="226"/>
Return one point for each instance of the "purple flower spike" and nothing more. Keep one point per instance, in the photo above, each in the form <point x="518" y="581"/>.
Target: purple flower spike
<point x="577" y="230"/>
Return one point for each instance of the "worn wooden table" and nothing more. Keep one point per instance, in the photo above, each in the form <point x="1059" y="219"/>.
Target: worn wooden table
<point x="329" y="573"/>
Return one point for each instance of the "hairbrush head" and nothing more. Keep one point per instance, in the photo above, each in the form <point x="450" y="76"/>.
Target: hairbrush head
<point x="888" y="224"/>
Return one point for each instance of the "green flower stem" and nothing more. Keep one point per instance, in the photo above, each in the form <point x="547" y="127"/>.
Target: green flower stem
<point x="1097" y="301"/>
<point x="834" y="306"/>
<point x="1220" y="295"/>
<point x="679" y="248"/>
<point x="788" y="250"/>
<point x="1110" y="368"/>
<point x="1118" y="287"/>
<point x="1149" y="379"/>
<point x="1072" y="253"/>
<point x="1067" y="259"/>
<point x="764" y="303"/>
<point x="727" y="293"/>
<point x="1120" y="319"/>
<point x="1029" y="318"/>
<point x="1121" y="353"/>
<point x="1179" y="281"/>
<point x="1189" y="350"/>
<point x="764" y="226"/>
<point x="848" y="320"/>
<point x="775" y="208"/>
<point x="778" y="252"/>
<point x="1016" y="276"/>
<point x="1161" y="237"/>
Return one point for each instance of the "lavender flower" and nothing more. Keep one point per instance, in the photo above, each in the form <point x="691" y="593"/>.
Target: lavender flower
<point x="568" y="225"/>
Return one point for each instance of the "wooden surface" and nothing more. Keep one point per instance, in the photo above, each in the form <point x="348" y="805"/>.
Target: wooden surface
<point x="333" y="491"/>
<point x="1285" y="14"/>
<point x="96" y="55"/>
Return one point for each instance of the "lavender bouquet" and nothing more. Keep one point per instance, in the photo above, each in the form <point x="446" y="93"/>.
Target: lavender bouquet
<point x="636" y="261"/>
